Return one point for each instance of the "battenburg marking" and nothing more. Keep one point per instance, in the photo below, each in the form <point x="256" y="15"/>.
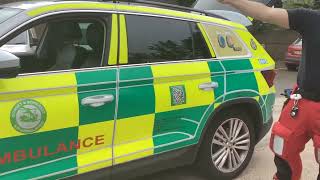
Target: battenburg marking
<point x="178" y="95"/>
<point x="28" y="116"/>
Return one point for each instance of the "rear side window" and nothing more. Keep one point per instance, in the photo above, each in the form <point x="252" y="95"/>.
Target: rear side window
<point x="225" y="42"/>
<point x="153" y="39"/>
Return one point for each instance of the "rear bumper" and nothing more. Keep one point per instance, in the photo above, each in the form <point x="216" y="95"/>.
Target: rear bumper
<point x="264" y="129"/>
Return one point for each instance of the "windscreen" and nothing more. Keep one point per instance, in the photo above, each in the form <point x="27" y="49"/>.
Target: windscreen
<point x="6" y="13"/>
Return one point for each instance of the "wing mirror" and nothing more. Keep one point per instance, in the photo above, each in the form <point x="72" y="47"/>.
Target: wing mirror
<point x="9" y="65"/>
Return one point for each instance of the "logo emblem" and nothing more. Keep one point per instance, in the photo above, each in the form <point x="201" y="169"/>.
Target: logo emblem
<point x="222" y="41"/>
<point x="263" y="61"/>
<point x="230" y="41"/>
<point x="253" y="44"/>
<point x="28" y="116"/>
<point x="178" y="95"/>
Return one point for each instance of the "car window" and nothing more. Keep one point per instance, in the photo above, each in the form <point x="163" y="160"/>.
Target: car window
<point x="6" y="13"/>
<point x="153" y="39"/>
<point x="225" y="42"/>
<point x="61" y="45"/>
<point x="20" y="39"/>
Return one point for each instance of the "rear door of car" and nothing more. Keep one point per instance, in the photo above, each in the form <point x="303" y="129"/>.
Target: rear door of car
<point x="59" y="123"/>
<point x="165" y="85"/>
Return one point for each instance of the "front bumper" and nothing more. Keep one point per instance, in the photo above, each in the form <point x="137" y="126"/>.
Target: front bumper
<point x="264" y="129"/>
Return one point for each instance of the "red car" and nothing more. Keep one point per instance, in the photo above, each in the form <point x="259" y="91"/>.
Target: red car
<point x="293" y="56"/>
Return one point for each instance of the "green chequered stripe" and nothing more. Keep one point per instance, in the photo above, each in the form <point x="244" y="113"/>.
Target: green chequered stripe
<point x="217" y="75"/>
<point x="95" y="83"/>
<point x="240" y="81"/>
<point x="266" y="102"/>
<point x="136" y="92"/>
<point x="42" y="148"/>
<point x="176" y="125"/>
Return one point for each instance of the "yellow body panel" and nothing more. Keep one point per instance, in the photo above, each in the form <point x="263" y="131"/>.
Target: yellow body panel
<point x="97" y="156"/>
<point x="59" y="114"/>
<point x="70" y="6"/>
<point x="133" y="138"/>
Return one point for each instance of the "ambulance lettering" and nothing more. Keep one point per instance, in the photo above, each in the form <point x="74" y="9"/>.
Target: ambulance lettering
<point x="45" y="151"/>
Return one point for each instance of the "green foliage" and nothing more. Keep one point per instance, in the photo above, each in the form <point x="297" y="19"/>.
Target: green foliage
<point x="312" y="4"/>
<point x="187" y="3"/>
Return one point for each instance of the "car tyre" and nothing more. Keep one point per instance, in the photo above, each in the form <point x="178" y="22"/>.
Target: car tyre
<point x="212" y="144"/>
<point x="291" y="67"/>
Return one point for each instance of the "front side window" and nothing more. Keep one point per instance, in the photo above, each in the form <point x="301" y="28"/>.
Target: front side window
<point x="60" y="45"/>
<point x="152" y="39"/>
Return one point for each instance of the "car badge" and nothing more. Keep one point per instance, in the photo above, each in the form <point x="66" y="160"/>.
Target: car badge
<point x="28" y="116"/>
<point x="222" y="41"/>
<point x="263" y="61"/>
<point x="253" y="44"/>
<point x="230" y="41"/>
<point x="178" y="95"/>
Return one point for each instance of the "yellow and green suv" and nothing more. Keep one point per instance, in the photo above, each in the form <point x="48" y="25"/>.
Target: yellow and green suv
<point x="120" y="90"/>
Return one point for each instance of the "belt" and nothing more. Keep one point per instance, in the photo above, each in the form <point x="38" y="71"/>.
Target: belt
<point x="309" y="95"/>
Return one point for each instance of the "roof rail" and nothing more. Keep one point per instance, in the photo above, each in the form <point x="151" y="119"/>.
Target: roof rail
<point x="170" y="6"/>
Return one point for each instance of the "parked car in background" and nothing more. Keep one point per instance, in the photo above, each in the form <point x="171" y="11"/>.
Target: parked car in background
<point x="293" y="56"/>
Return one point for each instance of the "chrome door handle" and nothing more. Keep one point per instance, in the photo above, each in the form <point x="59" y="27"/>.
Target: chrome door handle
<point x="97" y="101"/>
<point x="208" y="86"/>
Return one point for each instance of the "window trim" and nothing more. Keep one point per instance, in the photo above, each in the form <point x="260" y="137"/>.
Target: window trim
<point x="188" y="23"/>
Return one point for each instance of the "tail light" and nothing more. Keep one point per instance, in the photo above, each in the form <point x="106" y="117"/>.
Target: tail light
<point x="269" y="75"/>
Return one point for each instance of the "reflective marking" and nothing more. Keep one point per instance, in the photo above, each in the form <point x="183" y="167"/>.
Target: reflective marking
<point x="278" y="144"/>
<point x="123" y="59"/>
<point x="193" y="121"/>
<point x="113" y="55"/>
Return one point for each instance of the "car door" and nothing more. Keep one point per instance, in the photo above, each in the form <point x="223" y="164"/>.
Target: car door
<point x="58" y="121"/>
<point x="163" y="90"/>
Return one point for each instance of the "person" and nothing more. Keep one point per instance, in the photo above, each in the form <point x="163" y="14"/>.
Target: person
<point x="300" y="118"/>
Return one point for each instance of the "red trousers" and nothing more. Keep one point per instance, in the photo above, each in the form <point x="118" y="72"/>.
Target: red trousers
<point x="290" y="134"/>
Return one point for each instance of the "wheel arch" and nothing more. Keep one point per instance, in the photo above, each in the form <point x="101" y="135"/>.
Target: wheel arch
<point x="248" y="105"/>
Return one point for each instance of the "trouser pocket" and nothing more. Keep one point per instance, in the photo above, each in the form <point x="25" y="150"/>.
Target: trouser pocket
<point x="281" y="140"/>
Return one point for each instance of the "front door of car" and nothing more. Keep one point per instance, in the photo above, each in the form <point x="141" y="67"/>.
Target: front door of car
<point x="57" y="116"/>
<point x="165" y="86"/>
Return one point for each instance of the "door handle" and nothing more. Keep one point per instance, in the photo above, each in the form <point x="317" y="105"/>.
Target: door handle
<point x="97" y="101"/>
<point x="208" y="86"/>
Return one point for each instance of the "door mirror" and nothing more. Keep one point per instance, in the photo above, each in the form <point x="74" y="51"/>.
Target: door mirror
<point x="9" y="65"/>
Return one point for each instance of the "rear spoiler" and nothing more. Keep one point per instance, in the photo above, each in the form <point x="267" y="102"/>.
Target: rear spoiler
<point x="233" y="16"/>
<point x="229" y="12"/>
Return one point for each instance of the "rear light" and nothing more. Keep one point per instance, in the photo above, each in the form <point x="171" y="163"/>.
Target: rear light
<point x="269" y="76"/>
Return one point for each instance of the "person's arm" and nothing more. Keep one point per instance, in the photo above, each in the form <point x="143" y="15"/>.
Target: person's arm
<point x="261" y="12"/>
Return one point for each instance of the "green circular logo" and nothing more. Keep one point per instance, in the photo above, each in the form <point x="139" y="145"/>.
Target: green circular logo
<point x="28" y="116"/>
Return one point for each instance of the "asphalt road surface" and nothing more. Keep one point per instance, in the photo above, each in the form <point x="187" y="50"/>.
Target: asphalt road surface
<point x="261" y="166"/>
